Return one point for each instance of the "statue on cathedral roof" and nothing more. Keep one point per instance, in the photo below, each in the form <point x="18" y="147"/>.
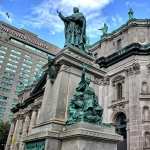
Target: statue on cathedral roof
<point x="104" y="30"/>
<point x="131" y="14"/>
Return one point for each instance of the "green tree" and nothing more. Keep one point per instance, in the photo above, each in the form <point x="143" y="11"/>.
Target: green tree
<point x="4" y="130"/>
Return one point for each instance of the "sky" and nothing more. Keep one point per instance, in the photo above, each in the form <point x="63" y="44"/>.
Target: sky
<point x="40" y="16"/>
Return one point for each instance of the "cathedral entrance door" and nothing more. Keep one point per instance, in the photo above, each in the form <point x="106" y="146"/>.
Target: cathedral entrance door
<point x="120" y="124"/>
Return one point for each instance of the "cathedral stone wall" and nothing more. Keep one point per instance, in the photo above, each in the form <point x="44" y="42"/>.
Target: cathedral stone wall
<point x="133" y="74"/>
<point x="128" y="89"/>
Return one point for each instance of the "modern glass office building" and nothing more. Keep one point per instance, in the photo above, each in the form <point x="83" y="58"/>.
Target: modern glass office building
<point x="22" y="55"/>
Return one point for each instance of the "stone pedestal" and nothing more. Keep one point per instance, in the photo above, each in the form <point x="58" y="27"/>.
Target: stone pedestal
<point x="81" y="136"/>
<point x="57" y="95"/>
<point x="32" y="121"/>
<point x="84" y="136"/>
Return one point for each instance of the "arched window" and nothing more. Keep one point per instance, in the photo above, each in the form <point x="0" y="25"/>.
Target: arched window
<point x="118" y="85"/>
<point x="144" y="89"/>
<point x="146" y="113"/>
<point x="120" y="123"/>
<point x="119" y="91"/>
<point x="118" y="43"/>
<point x="147" y="140"/>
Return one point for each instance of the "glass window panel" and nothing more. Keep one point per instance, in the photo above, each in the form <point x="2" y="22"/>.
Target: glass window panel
<point x="11" y="70"/>
<point x="14" y="61"/>
<point x="16" y="42"/>
<point x="11" y="65"/>
<point x="29" y="62"/>
<point x="27" y="56"/>
<point x="2" y="52"/>
<point x="27" y="66"/>
<point x="3" y="47"/>
<point x="2" y="57"/>
<point x="16" y="52"/>
<point x="14" y="56"/>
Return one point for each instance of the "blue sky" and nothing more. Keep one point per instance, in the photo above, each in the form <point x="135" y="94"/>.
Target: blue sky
<point x="40" y="17"/>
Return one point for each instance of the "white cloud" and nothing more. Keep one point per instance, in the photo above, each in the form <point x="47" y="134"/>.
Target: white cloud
<point x="44" y="15"/>
<point x="92" y="30"/>
<point x="90" y="16"/>
<point x="116" y="21"/>
<point x="84" y="4"/>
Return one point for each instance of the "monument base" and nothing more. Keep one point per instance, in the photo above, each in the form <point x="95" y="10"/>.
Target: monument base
<point x="81" y="136"/>
<point x="85" y="136"/>
<point x="50" y="131"/>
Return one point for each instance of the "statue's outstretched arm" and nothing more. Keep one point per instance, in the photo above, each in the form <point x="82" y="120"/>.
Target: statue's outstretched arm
<point x="62" y="17"/>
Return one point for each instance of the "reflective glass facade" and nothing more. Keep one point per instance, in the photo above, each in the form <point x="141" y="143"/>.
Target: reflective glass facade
<point x="20" y="64"/>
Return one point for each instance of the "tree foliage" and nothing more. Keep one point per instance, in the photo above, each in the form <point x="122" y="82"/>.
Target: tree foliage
<point x="4" y="130"/>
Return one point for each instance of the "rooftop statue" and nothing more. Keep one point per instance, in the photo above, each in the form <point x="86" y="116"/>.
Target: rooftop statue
<point x="131" y="14"/>
<point x="75" y="29"/>
<point x="104" y="30"/>
<point x="84" y="104"/>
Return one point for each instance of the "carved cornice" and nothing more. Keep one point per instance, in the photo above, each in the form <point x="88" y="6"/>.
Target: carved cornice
<point x="19" y="115"/>
<point x="119" y="104"/>
<point x="118" y="79"/>
<point x="106" y="80"/>
<point x="130" y="50"/>
<point x="133" y="69"/>
<point x="103" y="81"/>
<point x="37" y="105"/>
<point x="29" y="108"/>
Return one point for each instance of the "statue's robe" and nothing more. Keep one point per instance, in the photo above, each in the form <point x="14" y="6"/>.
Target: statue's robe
<point x="82" y="84"/>
<point x="75" y="30"/>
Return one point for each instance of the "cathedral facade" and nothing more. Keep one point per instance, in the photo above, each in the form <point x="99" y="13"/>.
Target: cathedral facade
<point x="124" y="55"/>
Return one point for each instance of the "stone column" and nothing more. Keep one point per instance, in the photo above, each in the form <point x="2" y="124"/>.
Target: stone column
<point x="26" y="125"/>
<point x="14" y="135"/>
<point x="33" y="120"/>
<point x="105" y="104"/>
<point x="9" y="139"/>
<point x="19" y="133"/>
<point x="24" y="131"/>
<point x="37" y="118"/>
<point x="134" y="129"/>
